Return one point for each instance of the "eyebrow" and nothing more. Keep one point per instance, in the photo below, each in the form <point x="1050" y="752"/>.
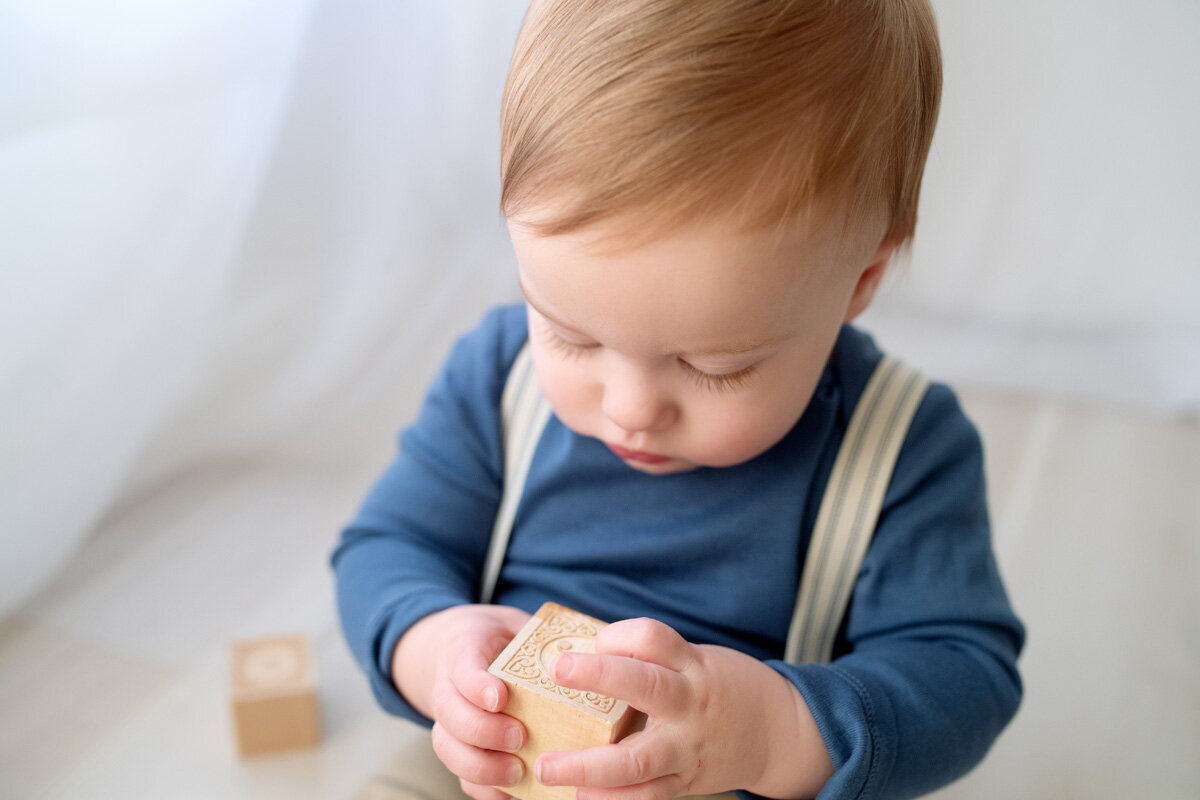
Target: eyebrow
<point x="732" y="349"/>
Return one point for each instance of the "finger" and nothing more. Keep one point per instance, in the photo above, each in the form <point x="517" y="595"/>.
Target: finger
<point x="636" y="760"/>
<point x="656" y="690"/>
<point x="646" y="640"/>
<point x="476" y="765"/>
<point x="472" y="725"/>
<point x="467" y="667"/>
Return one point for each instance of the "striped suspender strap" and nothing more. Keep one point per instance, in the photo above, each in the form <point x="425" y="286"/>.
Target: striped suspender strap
<point x="850" y="508"/>
<point x="523" y="412"/>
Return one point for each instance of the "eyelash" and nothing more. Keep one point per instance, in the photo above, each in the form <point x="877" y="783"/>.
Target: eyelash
<point x="704" y="380"/>
<point x="717" y="383"/>
<point x="565" y="348"/>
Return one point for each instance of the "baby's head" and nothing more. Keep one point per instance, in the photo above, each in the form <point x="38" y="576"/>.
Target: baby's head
<point x="714" y="184"/>
<point x="756" y="111"/>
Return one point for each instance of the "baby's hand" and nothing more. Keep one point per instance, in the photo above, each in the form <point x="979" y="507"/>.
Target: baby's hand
<point x="440" y="665"/>
<point x="717" y="720"/>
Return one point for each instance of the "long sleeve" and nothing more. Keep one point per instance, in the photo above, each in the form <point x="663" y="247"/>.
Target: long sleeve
<point x="417" y="543"/>
<point x="926" y="677"/>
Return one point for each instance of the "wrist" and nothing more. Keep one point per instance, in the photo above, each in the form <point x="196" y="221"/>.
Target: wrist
<point x="415" y="658"/>
<point x="797" y="762"/>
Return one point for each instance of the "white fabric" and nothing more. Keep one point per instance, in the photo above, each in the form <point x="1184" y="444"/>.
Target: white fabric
<point x="134" y="141"/>
<point x="231" y="230"/>
<point x="1056" y="246"/>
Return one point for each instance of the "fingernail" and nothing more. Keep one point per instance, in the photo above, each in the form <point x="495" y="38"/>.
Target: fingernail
<point x="512" y="739"/>
<point x="546" y="773"/>
<point x="491" y="699"/>
<point x="563" y="665"/>
<point x="515" y="772"/>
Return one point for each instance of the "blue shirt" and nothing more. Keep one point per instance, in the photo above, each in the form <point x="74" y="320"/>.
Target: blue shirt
<point x="924" y="675"/>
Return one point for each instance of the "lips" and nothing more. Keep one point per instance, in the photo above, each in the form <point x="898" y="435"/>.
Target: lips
<point x="637" y="455"/>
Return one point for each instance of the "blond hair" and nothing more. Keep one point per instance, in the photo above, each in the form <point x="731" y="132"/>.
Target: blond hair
<point x="674" y="110"/>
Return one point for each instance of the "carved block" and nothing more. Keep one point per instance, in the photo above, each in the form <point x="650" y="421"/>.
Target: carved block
<point x="273" y="695"/>
<point x="556" y="718"/>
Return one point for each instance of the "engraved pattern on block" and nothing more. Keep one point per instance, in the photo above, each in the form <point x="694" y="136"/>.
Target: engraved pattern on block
<point x="559" y="631"/>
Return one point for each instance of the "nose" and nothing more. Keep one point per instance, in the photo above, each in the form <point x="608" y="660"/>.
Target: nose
<point x="635" y="403"/>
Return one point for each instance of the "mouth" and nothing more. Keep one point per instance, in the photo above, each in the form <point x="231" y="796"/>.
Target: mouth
<point x="638" y="455"/>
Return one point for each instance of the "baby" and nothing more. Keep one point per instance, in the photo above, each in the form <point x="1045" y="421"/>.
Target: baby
<point x="701" y="195"/>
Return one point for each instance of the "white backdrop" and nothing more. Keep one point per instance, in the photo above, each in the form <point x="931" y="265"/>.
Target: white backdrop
<point x="1059" y="216"/>
<point x="239" y="229"/>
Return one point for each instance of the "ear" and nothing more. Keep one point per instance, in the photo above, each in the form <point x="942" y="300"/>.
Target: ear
<point x="868" y="280"/>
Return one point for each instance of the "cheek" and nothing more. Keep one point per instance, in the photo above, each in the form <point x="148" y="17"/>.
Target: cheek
<point x="749" y="427"/>
<point x="744" y="433"/>
<point x="568" y="389"/>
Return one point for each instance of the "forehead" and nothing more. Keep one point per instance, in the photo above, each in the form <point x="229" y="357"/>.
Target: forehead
<point x="702" y="288"/>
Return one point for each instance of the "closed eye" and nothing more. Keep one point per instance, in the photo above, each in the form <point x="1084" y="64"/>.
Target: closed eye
<point x="565" y="347"/>
<point x="705" y="380"/>
<point x="719" y="383"/>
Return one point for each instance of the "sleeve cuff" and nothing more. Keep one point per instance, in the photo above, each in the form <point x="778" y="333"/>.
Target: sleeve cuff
<point x="854" y="723"/>
<point x="401" y="617"/>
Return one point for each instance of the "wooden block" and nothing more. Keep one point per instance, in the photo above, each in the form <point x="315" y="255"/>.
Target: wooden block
<point x="273" y="695"/>
<point x="556" y="718"/>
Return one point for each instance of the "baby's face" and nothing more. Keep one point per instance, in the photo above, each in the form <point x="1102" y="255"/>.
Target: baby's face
<point x="701" y="348"/>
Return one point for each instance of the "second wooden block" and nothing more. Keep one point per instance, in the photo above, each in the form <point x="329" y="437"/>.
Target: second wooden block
<point x="273" y="695"/>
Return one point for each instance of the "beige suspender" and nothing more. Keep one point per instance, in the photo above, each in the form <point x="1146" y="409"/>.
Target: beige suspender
<point x="850" y="508"/>
<point x="845" y="521"/>
<point x="523" y="414"/>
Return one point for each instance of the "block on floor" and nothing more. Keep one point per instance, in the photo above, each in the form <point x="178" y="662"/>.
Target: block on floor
<point x="273" y="695"/>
